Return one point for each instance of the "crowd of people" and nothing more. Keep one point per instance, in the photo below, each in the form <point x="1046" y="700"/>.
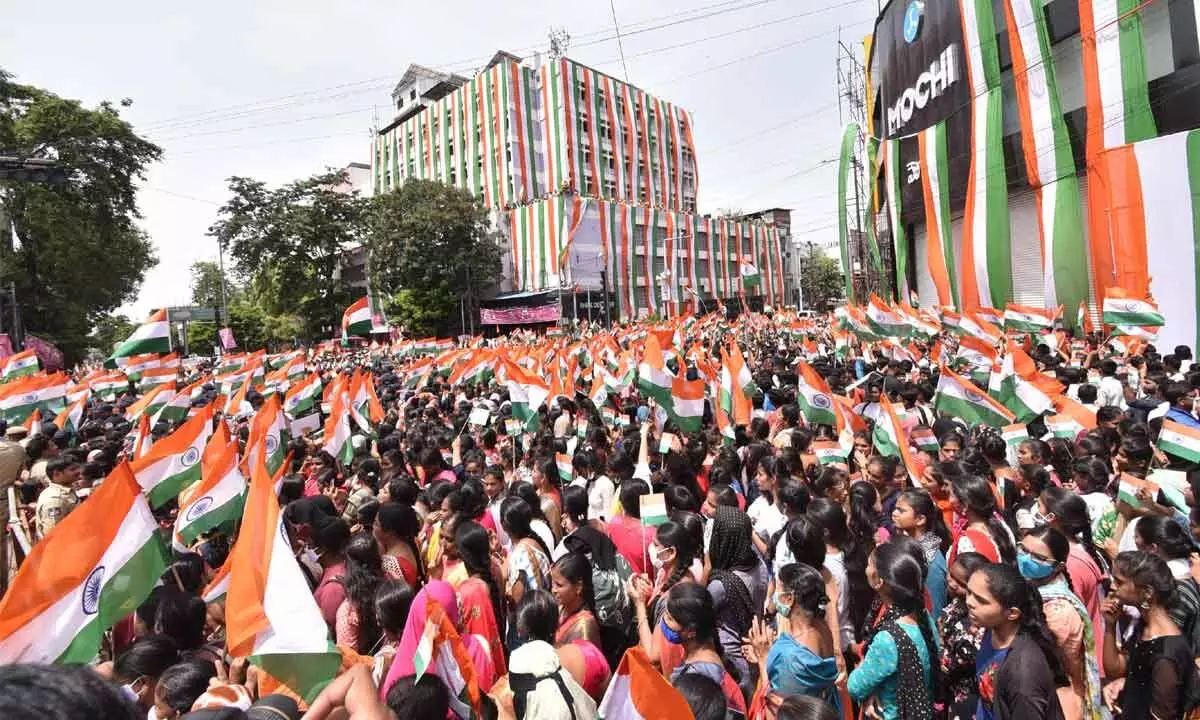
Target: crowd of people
<point x="980" y="579"/>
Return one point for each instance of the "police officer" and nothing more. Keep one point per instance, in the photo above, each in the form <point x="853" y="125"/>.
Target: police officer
<point x="58" y="499"/>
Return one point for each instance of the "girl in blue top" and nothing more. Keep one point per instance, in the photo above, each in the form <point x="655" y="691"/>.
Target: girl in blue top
<point x="801" y="660"/>
<point x="917" y="516"/>
<point x="898" y="674"/>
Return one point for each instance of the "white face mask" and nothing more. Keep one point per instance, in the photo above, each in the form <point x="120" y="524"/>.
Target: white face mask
<point x="656" y="559"/>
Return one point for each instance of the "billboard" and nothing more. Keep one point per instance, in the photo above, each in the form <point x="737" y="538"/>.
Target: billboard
<point x="920" y="65"/>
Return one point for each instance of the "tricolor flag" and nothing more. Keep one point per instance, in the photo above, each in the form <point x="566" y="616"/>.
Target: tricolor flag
<point x="152" y="336"/>
<point x="1013" y="436"/>
<point x="176" y="409"/>
<point x="92" y="570"/>
<point x="890" y="439"/>
<point x="1179" y="440"/>
<point x="441" y="647"/>
<point x="653" y="509"/>
<point x="1030" y="319"/>
<point x="108" y="386"/>
<point x="1120" y="309"/>
<point x="526" y="392"/>
<point x="886" y="320"/>
<point x="1073" y="419"/>
<point x="1128" y="487"/>
<point x="750" y="276"/>
<point x="142" y="440"/>
<point x="302" y="397"/>
<point x="218" y="587"/>
<point x="70" y="419"/>
<point x="356" y="321"/>
<point x="924" y="439"/>
<point x="173" y="462"/>
<point x="135" y="365"/>
<point x="216" y="502"/>
<point x="336" y="438"/>
<point x="958" y="397"/>
<point x="1026" y="401"/>
<point x="639" y="692"/>
<point x="269" y="436"/>
<point x="156" y="377"/>
<point x="566" y="468"/>
<point x="687" y="403"/>
<point x="829" y="452"/>
<point x="270" y="614"/>
<point x="152" y="402"/>
<point x="814" y="397"/>
<point x="654" y="379"/>
<point x="19" y="365"/>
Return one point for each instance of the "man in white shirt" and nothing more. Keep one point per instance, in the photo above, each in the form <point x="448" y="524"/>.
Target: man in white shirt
<point x="1110" y="390"/>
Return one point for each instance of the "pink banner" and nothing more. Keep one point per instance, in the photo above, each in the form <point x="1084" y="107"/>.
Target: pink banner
<point x="5" y="346"/>
<point x="49" y="355"/>
<point x="520" y="315"/>
<point x="227" y="341"/>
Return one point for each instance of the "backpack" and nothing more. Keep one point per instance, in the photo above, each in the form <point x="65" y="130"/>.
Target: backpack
<point x="613" y="608"/>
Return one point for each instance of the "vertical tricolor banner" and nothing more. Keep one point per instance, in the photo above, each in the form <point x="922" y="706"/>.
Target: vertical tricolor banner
<point x="893" y="175"/>
<point x="935" y="176"/>
<point x="849" y="136"/>
<point x="1049" y="162"/>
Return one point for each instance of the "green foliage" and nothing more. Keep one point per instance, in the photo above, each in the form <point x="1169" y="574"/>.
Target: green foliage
<point x="109" y="330"/>
<point x="821" y="282"/>
<point x="431" y="245"/>
<point x="206" y="284"/>
<point x="253" y="327"/>
<point x="82" y="254"/>
<point x="288" y="242"/>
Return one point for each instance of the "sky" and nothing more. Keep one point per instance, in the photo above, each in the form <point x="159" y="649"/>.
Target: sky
<point x="279" y="90"/>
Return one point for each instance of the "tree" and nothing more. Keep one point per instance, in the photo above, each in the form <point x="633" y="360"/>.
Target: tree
<point x="288" y="244"/>
<point x="821" y="281"/>
<point x="206" y="285"/>
<point x="81" y="253"/>
<point x="108" y="331"/>
<point x="431" y="245"/>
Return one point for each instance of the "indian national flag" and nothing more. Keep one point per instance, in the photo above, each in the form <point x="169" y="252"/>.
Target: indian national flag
<point x="1121" y="309"/>
<point x="269" y="435"/>
<point x="336" y="438"/>
<point x="19" y="365"/>
<point x="526" y="392"/>
<point x="750" y="276"/>
<point x="270" y="614"/>
<point x="815" y="397"/>
<point x="958" y="397"/>
<point x="654" y="379"/>
<point x="653" y="509"/>
<point x="136" y="365"/>
<point x="218" y="587"/>
<point x="156" y="377"/>
<point x="152" y="336"/>
<point x="1022" y="397"/>
<point x="108" y="386"/>
<point x="142" y="440"/>
<point x="1179" y="440"/>
<point x="1072" y="419"/>
<point x="1030" y="319"/>
<point x="173" y="462"/>
<point x="890" y="439"/>
<point x="92" y="570"/>
<point x="639" y="692"/>
<point x="924" y="439"/>
<point x="566" y="468"/>
<point x="302" y="397"/>
<point x="19" y="399"/>
<point x="1128" y="487"/>
<point x="687" y="403"/>
<point x="177" y="407"/>
<point x="885" y="320"/>
<point x="356" y="321"/>
<point x="829" y="452"/>
<point x="442" y="648"/>
<point x="216" y="502"/>
<point x="152" y="402"/>
<point x="71" y="418"/>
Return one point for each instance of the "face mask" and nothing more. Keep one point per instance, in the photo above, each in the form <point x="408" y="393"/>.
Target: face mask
<point x="1039" y="519"/>
<point x="129" y="693"/>
<point x="656" y="560"/>
<point x="1032" y="568"/>
<point x="670" y="635"/>
<point x="783" y="610"/>
<point x="310" y="556"/>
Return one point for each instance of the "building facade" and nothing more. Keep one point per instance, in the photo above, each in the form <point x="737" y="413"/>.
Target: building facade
<point x="592" y="181"/>
<point x="952" y="107"/>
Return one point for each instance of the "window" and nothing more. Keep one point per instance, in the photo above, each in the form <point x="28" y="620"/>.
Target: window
<point x="583" y="127"/>
<point x="413" y="95"/>
<point x="399" y="103"/>
<point x="610" y="188"/>
<point x="608" y="161"/>
<point x="587" y="157"/>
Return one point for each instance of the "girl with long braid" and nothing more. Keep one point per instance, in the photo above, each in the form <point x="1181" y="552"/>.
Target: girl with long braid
<point x="671" y="553"/>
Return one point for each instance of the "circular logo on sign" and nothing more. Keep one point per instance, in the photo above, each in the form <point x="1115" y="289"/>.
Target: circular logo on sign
<point x="198" y="508"/>
<point x="191" y="457"/>
<point x="821" y="401"/>
<point x="91" y="591"/>
<point x="914" y="14"/>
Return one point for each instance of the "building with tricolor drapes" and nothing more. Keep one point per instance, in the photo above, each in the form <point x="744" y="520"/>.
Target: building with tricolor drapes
<point x="592" y="180"/>
<point x="1016" y="141"/>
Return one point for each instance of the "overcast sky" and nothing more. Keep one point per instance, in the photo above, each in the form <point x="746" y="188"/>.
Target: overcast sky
<point x="279" y="90"/>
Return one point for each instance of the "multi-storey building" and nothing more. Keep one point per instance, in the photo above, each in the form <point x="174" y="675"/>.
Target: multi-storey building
<point x="592" y="180"/>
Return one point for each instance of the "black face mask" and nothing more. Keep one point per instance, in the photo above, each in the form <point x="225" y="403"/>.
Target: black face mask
<point x="522" y="684"/>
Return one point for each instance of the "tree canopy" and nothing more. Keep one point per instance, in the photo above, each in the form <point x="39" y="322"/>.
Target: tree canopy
<point x="81" y="253"/>
<point x="431" y="245"/>
<point x="821" y="281"/>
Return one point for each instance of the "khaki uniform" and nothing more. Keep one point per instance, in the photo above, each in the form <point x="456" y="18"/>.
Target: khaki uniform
<point x="53" y="504"/>
<point x="12" y="460"/>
